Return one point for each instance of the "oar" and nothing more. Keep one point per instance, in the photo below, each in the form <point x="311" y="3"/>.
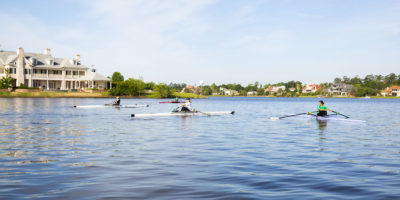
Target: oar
<point x="307" y="113"/>
<point x="203" y="113"/>
<point x="340" y="114"/>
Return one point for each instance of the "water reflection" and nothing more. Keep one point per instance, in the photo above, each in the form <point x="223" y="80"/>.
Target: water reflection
<point x="321" y="127"/>
<point x="186" y="122"/>
<point x="43" y="141"/>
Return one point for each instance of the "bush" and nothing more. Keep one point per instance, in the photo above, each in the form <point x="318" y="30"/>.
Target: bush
<point x="6" y="81"/>
<point x="162" y="91"/>
<point x="132" y="87"/>
<point x="26" y="87"/>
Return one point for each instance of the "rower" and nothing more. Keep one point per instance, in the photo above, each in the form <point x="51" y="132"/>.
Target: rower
<point x="322" y="109"/>
<point x="117" y="101"/>
<point x="187" y="107"/>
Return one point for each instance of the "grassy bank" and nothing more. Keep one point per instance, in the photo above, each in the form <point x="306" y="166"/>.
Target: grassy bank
<point x="84" y="95"/>
<point x="350" y="97"/>
<point x="54" y="94"/>
<point x="180" y="95"/>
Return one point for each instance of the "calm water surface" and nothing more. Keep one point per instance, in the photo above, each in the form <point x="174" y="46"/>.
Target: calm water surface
<point x="49" y="150"/>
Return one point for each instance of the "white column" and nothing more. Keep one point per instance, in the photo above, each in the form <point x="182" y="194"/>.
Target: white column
<point x="30" y="83"/>
<point x="47" y="85"/>
<point x="63" y="87"/>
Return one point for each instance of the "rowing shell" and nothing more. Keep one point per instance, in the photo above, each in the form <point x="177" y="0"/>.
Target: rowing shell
<point x="331" y="118"/>
<point x="172" y="102"/>
<point x="182" y="114"/>
<point x="112" y="106"/>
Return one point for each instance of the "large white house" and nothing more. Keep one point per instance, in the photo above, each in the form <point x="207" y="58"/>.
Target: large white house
<point x="48" y="72"/>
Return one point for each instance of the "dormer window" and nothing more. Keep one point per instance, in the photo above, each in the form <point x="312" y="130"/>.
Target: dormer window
<point x="50" y="62"/>
<point x="33" y="61"/>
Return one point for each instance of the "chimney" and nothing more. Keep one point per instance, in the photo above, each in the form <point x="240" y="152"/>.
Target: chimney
<point x="20" y="51"/>
<point x="47" y="52"/>
<point x="78" y="57"/>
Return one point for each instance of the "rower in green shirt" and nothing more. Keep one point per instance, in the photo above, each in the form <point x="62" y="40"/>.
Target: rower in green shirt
<point x="322" y="109"/>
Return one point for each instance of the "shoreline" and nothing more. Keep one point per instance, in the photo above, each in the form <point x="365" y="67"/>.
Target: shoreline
<point x="333" y="97"/>
<point x="103" y="95"/>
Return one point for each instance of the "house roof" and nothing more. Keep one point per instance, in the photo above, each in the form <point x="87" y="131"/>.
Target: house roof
<point x="388" y="89"/>
<point x="8" y="57"/>
<point x="94" y="76"/>
<point x="394" y="87"/>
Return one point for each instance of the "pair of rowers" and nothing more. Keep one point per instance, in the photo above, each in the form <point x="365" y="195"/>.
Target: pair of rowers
<point x="322" y="109"/>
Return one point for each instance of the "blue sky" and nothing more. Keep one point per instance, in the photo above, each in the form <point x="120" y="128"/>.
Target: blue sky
<point x="222" y="41"/>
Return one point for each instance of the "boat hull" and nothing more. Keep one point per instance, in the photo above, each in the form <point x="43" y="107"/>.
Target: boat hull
<point x="182" y="114"/>
<point x="330" y="118"/>
<point x="112" y="106"/>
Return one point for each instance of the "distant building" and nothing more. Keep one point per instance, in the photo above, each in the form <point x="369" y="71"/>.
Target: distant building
<point x="340" y="89"/>
<point x="311" y="88"/>
<point x="229" y="92"/>
<point x="191" y="89"/>
<point x="278" y="88"/>
<point x="391" y="91"/>
<point x="48" y="72"/>
<point x="252" y="93"/>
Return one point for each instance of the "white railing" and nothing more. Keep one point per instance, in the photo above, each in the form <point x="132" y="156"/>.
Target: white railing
<point x="45" y="76"/>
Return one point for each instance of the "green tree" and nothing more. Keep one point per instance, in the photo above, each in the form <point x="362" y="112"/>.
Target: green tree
<point x="337" y="80"/>
<point x="162" y="91"/>
<point x="132" y="87"/>
<point x="6" y="81"/>
<point x="390" y="79"/>
<point x="150" y="86"/>
<point x="117" y="77"/>
<point x="243" y="92"/>
<point x="214" y="88"/>
<point x="260" y="91"/>
<point x="206" y="90"/>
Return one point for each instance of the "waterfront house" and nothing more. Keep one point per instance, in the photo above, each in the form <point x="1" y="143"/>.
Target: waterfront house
<point x="191" y="89"/>
<point x="48" y="72"/>
<point x="278" y="88"/>
<point x="391" y="91"/>
<point x="252" y="93"/>
<point x="229" y="92"/>
<point x="340" y="89"/>
<point x="311" y="88"/>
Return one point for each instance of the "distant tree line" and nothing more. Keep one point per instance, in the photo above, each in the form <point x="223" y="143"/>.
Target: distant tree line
<point x="137" y="87"/>
<point x="370" y="85"/>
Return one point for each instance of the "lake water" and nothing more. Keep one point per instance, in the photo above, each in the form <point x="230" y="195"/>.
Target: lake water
<point x="49" y="150"/>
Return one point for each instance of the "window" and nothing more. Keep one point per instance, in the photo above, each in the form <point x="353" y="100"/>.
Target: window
<point x="1" y="71"/>
<point x="13" y="71"/>
<point x="74" y="73"/>
<point x="27" y="71"/>
<point x="36" y="83"/>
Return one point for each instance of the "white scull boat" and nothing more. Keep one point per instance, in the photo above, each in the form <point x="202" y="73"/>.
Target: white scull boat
<point x="331" y="118"/>
<point x="112" y="106"/>
<point x="182" y="114"/>
<point x="319" y="118"/>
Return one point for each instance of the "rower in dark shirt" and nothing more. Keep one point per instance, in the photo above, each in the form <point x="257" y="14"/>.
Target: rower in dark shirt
<point x="117" y="101"/>
<point x="322" y="109"/>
